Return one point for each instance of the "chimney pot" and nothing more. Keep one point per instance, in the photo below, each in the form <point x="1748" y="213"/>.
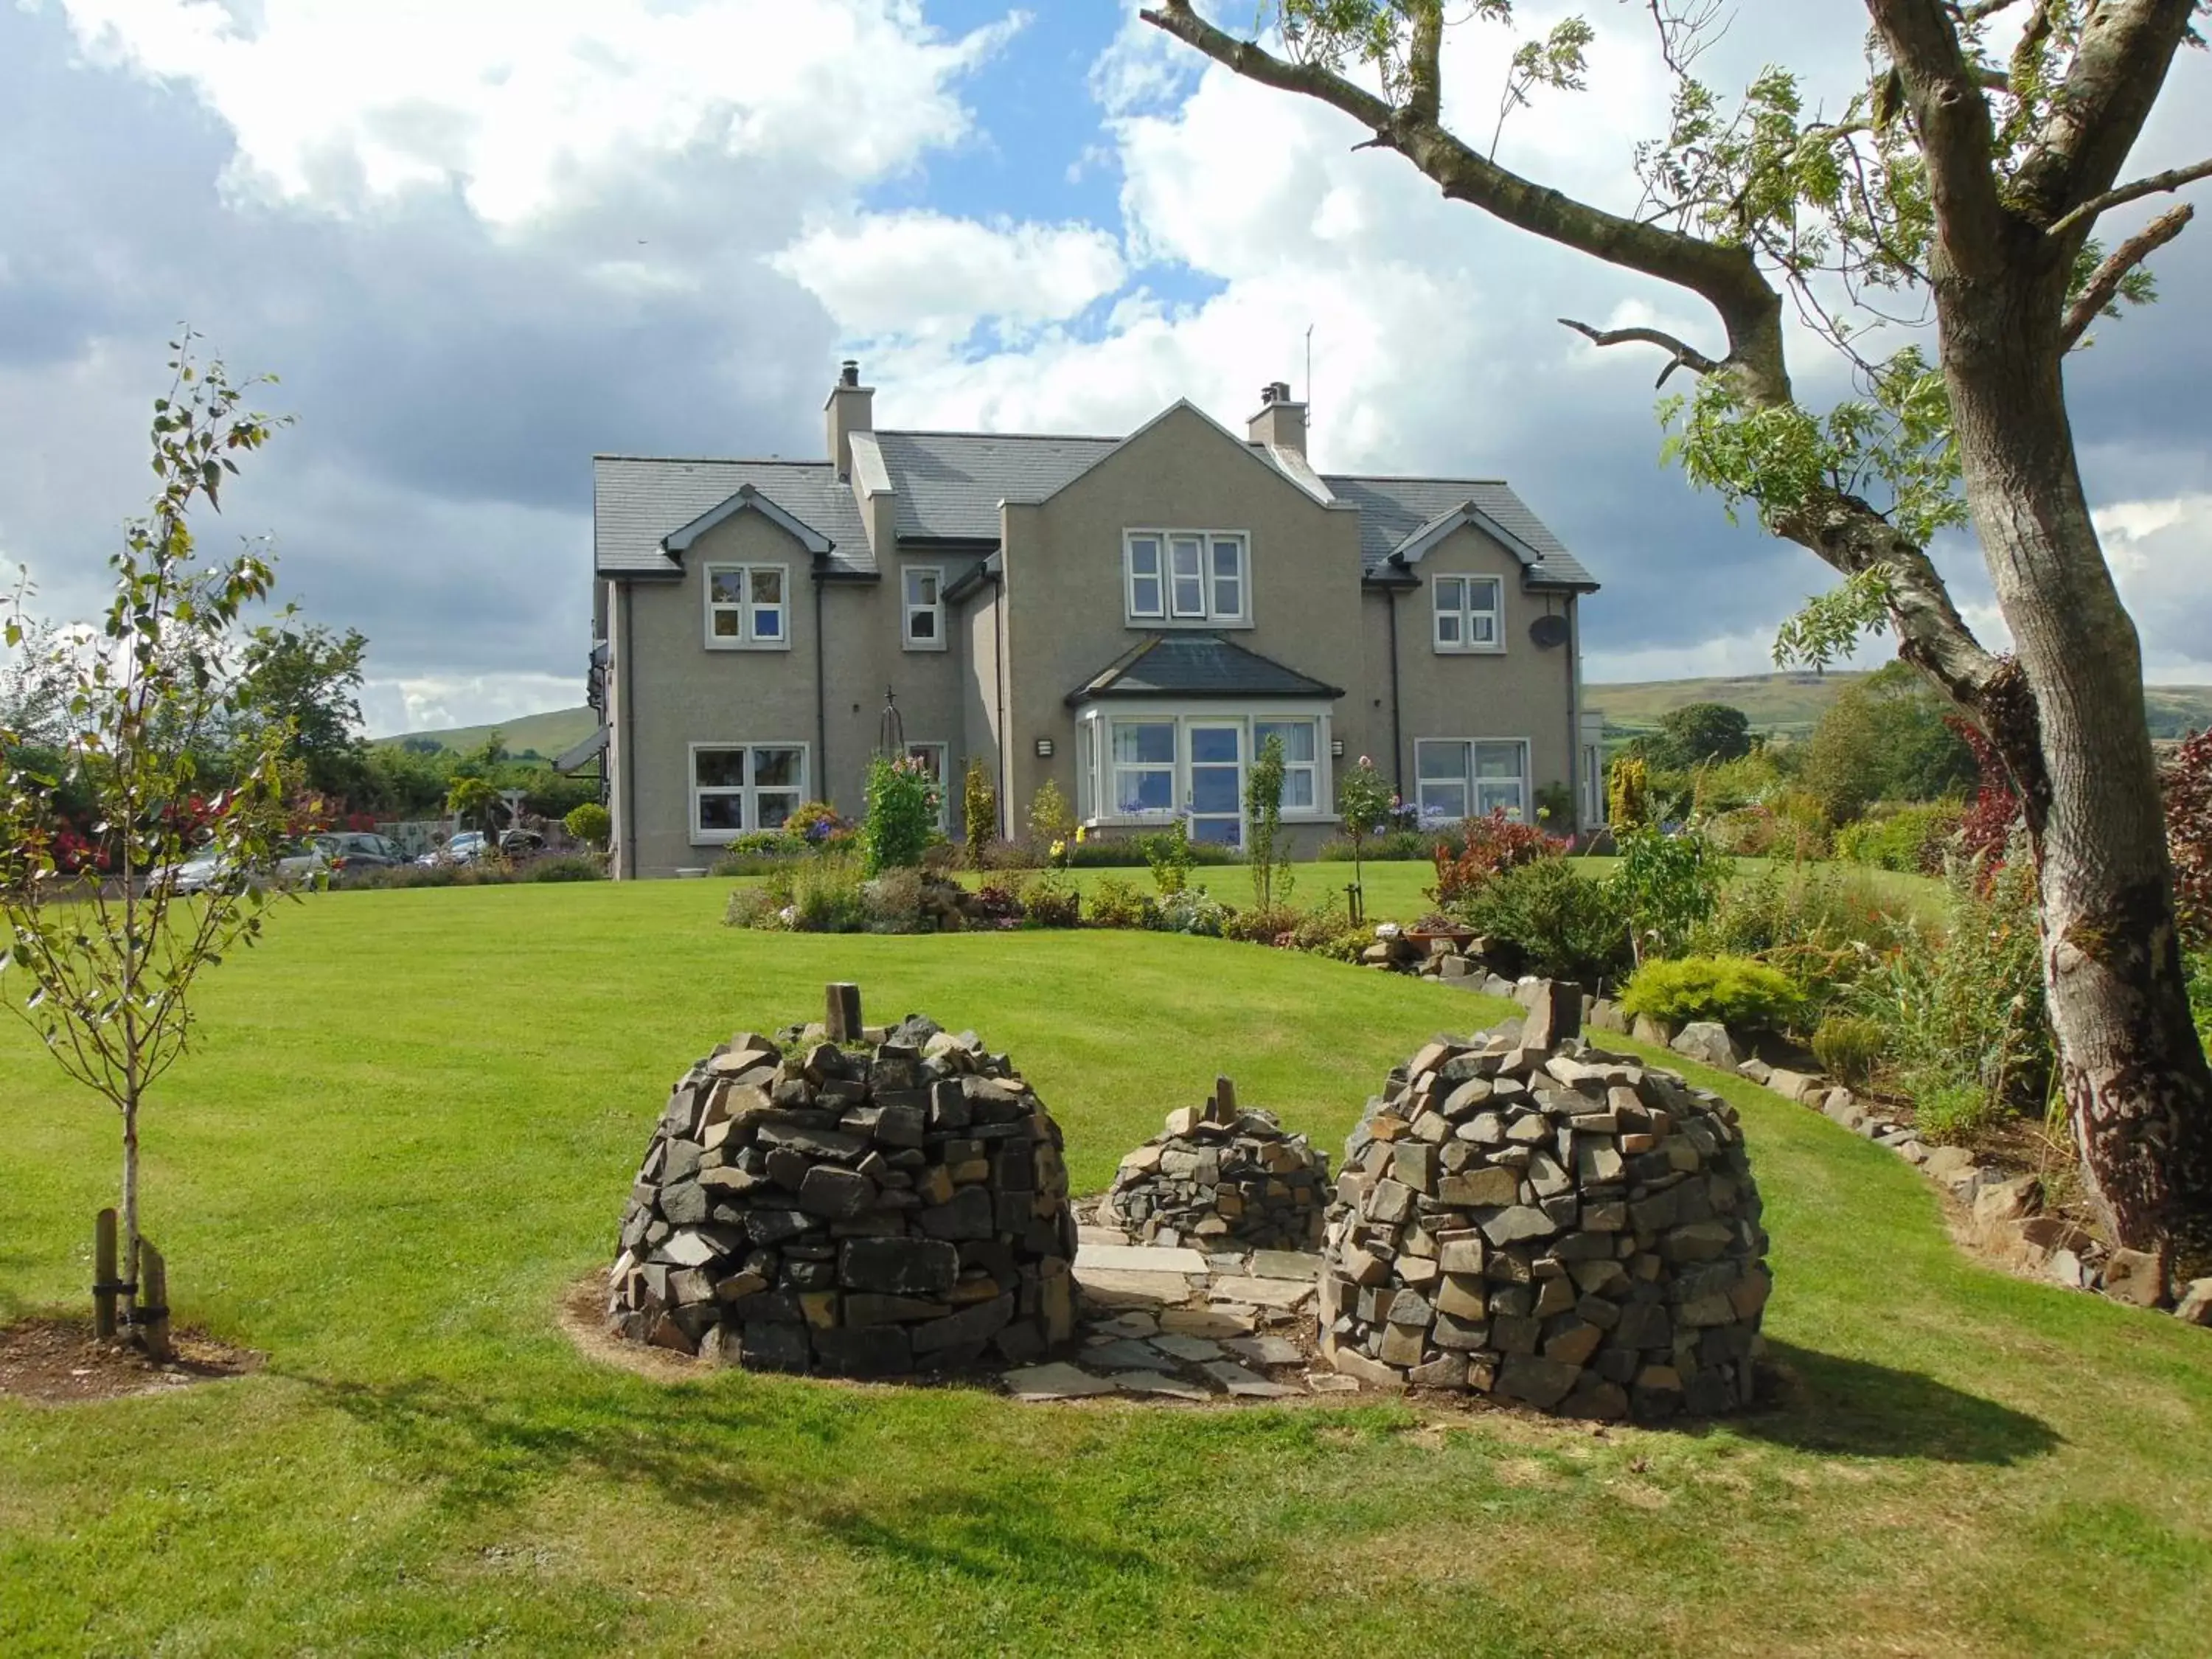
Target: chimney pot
<point x="849" y="373"/>
<point x="1280" y="422"/>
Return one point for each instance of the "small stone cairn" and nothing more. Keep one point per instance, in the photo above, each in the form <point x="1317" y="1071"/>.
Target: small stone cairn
<point x="1221" y="1175"/>
<point x="850" y="1202"/>
<point x="1522" y="1215"/>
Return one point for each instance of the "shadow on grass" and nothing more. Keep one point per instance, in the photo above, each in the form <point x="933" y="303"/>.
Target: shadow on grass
<point x="815" y="1465"/>
<point x="1825" y="1403"/>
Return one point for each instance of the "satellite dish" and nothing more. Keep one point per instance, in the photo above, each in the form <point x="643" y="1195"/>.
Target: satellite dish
<point x="1548" y="631"/>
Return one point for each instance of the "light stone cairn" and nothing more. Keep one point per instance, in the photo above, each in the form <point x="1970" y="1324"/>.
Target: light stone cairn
<point x="1522" y="1215"/>
<point x="867" y="1210"/>
<point x="1222" y="1175"/>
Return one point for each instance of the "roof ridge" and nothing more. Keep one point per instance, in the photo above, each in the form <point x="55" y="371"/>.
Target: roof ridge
<point x="707" y="461"/>
<point x="1413" y="478"/>
<point x="959" y="432"/>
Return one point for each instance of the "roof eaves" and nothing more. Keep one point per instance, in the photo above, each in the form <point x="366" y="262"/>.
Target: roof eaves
<point x="988" y="569"/>
<point x="677" y="542"/>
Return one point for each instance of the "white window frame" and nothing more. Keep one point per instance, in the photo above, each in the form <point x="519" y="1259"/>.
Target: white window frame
<point x="747" y="793"/>
<point x="909" y="608"/>
<point x="1096" y="795"/>
<point x="1470" y="781"/>
<point x="1465" y="616"/>
<point x="1173" y="609"/>
<point x="915" y="750"/>
<point x="748" y="637"/>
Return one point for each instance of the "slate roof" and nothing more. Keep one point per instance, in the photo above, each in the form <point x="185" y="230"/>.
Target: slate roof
<point x="1197" y="665"/>
<point x="1391" y="509"/>
<point x="636" y="500"/>
<point x="948" y="485"/>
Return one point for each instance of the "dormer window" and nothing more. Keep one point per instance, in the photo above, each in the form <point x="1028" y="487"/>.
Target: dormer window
<point x="1468" y="613"/>
<point x="1187" y="577"/>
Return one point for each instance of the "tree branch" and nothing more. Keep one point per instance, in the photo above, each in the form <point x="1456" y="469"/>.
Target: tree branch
<point x="1685" y="356"/>
<point x="1944" y="93"/>
<point x="1424" y="83"/>
<point x="2118" y="69"/>
<point x="2090" y="304"/>
<point x="2171" y="179"/>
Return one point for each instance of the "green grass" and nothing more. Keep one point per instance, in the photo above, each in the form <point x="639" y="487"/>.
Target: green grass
<point x="412" y="1120"/>
<point x="546" y="734"/>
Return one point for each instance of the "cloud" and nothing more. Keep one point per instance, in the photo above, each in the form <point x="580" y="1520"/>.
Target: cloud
<point x="532" y="108"/>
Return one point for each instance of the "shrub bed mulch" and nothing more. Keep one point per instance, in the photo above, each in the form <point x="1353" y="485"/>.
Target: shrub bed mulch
<point x="55" y="1360"/>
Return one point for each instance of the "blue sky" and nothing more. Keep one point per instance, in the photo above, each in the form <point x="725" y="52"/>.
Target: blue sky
<point x="481" y="239"/>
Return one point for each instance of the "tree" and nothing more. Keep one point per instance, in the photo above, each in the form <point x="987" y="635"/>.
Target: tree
<point x="308" y="678"/>
<point x="1050" y="818"/>
<point x="1263" y="810"/>
<point x="475" y="799"/>
<point x="1922" y="756"/>
<point x="592" y="825"/>
<point x="1365" y="798"/>
<point x="1973" y="186"/>
<point x="108" y="962"/>
<point x="1700" y="732"/>
<point x="1842" y="764"/>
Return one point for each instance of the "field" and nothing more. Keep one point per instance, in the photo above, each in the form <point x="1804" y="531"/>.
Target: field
<point x="545" y="734"/>
<point x="411" y="1122"/>
<point x="1788" y="705"/>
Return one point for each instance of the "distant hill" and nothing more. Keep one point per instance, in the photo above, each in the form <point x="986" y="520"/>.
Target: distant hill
<point x="548" y="734"/>
<point x="1788" y="705"/>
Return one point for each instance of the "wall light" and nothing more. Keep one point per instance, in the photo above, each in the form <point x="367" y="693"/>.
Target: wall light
<point x="1336" y="748"/>
<point x="1044" y="748"/>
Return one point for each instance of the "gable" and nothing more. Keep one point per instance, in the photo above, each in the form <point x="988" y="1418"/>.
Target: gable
<point x="1180" y="455"/>
<point x="747" y="499"/>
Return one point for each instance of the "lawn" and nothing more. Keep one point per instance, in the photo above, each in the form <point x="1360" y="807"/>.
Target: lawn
<point x="413" y="1118"/>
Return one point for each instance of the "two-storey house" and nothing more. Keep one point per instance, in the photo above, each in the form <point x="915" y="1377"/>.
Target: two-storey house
<point x="1130" y="618"/>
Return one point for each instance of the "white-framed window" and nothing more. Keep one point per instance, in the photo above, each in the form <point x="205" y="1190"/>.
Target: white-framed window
<point x="1301" y="760"/>
<point x="1142" y="755"/>
<point x="1468" y="613"/>
<point x="1188" y="576"/>
<point x="931" y="758"/>
<point x="741" y="787"/>
<point x="1471" y="777"/>
<point x="1159" y="759"/>
<point x="748" y="607"/>
<point x="924" y="596"/>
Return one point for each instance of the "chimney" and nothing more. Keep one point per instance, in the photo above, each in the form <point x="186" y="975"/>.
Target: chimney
<point x="851" y="407"/>
<point x="1280" y="422"/>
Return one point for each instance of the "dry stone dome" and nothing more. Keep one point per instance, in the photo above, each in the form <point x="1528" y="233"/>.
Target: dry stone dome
<point x="1543" y="1221"/>
<point x="863" y="1209"/>
<point x="1219" y="1175"/>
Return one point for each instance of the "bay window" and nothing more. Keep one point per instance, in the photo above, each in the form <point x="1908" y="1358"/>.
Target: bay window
<point x="1470" y="777"/>
<point x="1167" y="759"/>
<point x="745" y="607"/>
<point x="737" y="787"/>
<point x="1468" y="613"/>
<point x="1186" y="576"/>
<point x="1144" y="767"/>
<point x="1301" y="760"/>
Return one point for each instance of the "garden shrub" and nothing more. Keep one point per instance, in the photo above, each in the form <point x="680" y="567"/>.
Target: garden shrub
<point x="1668" y="885"/>
<point x="1000" y="901"/>
<point x="1192" y="910"/>
<point x="1910" y="839"/>
<point x="1169" y="855"/>
<point x="815" y="823"/>
<point x="758" y="906"/>
<point x="2187" y="781"/>
<point x="592" y="825"/>
<point x="1327" y="931"/>
<point x="902" y="818"/>
<point x="2197" y="966"/>
<point x="1742" y="995"/>
<point x="1626" y="787"/>
<point x="1050" y="818"/>
<point x="1393" y="847"/>
<point x="1486" y="845"/>
<point x="1751" y="832"/>
<point x="1116" y="902"/>
<point x="570" y="867"/>
<point x="1827" y="929"/>
<point x="1558" y="921"/>
<point x="1051" y="901"/>
<point x="1945" y="1112"/>
<point x="891" y="903"/>
<point x="1849" y="1047"/>
<point x="825" y="895"/>
<point x="1275" y="924"/>
<point x="979" y="811"/>
<point x="483" y="873"/>
<point x="1963" y="1008"/>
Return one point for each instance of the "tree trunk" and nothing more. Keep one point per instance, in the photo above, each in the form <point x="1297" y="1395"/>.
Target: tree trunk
<point x="2068" y="718"/>
<point x="130" y="1197"/>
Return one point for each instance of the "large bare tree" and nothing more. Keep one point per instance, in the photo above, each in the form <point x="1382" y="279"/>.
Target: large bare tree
<point x="1968" y="177"/>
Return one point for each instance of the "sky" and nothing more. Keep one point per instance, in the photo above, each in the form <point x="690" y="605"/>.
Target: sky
<point x="478" y="241"/>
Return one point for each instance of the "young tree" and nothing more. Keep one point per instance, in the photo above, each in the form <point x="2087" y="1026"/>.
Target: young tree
<point x="1263" y="809"/>
<point x="1975" y="186"/>
<point x="979" y="809"/>
<point x="475" y="799"/>
<point x="103" y="969"/>
<point x="1364" y="797"/>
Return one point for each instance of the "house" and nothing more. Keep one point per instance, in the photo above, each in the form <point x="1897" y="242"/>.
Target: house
<point x="1128" y="618"/>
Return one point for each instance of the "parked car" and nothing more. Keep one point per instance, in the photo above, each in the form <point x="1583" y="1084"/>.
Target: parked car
<point x="299" y="864"/>
<point x="464" y="848"/>
<point x="354" y="849"/>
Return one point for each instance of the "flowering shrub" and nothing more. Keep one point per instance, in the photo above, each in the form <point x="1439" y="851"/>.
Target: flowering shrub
<point x="1488" y="846"/>
<point x="2188" y="781"/>
<point x="901" y="818"/>
<point x="999" y="903"/>
<point x="816" y="822"/>
<point x="1052" y="902"/>
<point x="1192" y="910"/>
<point x="1988" y="825"/>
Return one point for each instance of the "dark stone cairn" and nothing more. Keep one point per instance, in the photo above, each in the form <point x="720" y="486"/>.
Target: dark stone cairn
<point x="820" y="1203"/>
<point x="1219" y="1174"/>
<point x="1523" y="1215"/>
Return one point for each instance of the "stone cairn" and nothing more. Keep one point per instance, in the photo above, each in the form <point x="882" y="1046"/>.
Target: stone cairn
<point x="1221" y="1174"/>
<point x="1522" y="1215"/>
<point x="865" y="1208"/>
